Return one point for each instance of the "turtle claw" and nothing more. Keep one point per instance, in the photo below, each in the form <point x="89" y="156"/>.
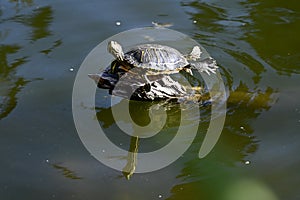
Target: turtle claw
<point x="120" y="57"/>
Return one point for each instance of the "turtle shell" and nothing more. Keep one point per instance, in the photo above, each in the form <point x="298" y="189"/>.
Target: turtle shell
<point x="156" y="57"/>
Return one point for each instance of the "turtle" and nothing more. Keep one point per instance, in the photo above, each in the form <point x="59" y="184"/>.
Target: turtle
<point x="157" y="60"/>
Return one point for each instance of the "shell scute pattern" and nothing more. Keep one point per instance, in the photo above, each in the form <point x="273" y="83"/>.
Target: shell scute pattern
<point x="156" y="57"/>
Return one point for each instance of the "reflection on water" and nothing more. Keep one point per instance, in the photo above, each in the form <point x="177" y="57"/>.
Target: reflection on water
<point x="276" y="37"/>
<point x="237" y="142"/>
<point x="22" y="2"/>
<point x="55" y="44"/>
<point x="139" y="112"/>
<point x="237" y="128"/>
<point x="38" y="20"/>
<point x="270" y="28"/>
<point x="129" y="168"/>
<point x="248" y="96"/>
<point x="10" y="84"/>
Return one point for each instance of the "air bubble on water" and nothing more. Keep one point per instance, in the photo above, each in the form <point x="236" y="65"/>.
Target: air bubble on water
<point x="103" y="150"/>
<point x="47" y="161"/>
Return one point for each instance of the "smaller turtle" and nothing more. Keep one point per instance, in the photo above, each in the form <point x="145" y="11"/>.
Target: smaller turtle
<point x="156" y="59"/>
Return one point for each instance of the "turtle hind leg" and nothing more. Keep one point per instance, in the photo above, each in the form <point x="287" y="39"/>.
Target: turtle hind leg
<point x="188" y="70"/>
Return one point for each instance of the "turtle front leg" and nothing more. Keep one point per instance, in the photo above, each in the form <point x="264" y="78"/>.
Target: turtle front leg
<point x="127" y="70"/>
<point x="208" y="65"/>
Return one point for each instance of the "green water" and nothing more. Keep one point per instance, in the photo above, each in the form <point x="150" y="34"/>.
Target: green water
<point x="256" y="45"/>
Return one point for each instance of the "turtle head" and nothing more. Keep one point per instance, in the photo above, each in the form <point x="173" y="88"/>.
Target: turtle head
<point x="195" y="54"/>
<point x="105" y="80"/>
<point x="116" y="50"/>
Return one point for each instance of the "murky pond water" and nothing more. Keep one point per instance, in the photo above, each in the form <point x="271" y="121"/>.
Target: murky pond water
<point x="256" y="45"/>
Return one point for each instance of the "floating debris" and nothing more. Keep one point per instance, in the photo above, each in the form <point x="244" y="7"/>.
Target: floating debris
<point x="66" y="172"/>
<point x="242" y="128"/>
<point x="160" y="196"/>
<point x="163" y="15"/>
<point x="118" y="23"/>
<point x="247" y="162"/>
<point x="194" y="22"/>
<point x="162" y="25"/>
<point x="71" y="69"/>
